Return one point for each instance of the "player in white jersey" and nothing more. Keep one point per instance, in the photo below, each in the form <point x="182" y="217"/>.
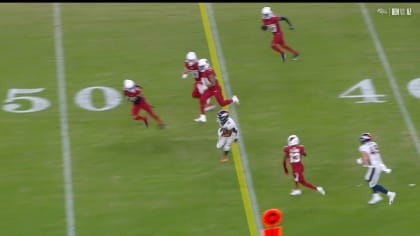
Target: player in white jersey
<point x="371" y="158"/>
<point x="227" y="133"/>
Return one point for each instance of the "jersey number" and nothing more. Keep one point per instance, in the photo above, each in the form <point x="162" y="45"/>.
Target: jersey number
<point x="374" y="149"/>
<point x="272" y="27"/>
<point x="294" y="157"/>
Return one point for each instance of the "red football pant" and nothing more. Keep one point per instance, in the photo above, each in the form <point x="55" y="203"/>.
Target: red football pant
<point x="300" y="179"/>
<point x="279" y="40"/>
<point x="135" y="109"/>
<point x="215" y="91"/>
<point x="195" y="93"/>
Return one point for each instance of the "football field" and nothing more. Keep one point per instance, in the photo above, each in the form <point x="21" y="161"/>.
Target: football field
<point x="74" y="163"/>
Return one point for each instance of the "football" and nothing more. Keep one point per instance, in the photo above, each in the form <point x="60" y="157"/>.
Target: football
<point x="226" y="132"/>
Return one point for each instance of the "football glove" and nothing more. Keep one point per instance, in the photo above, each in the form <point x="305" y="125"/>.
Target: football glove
<point x="184" y="76"/>
<point x="387" y="170"/>
<point x="264" y="27"/>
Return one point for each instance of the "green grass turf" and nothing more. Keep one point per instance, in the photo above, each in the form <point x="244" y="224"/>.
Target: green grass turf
<point x="129" y="180"/>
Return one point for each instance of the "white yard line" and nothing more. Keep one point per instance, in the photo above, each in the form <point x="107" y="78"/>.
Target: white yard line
<point x="241" y="145"/>
<point x="65" y="137"/>
<point x="390" y="75"/>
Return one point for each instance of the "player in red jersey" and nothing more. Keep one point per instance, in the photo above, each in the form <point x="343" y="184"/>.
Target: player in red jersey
<point x="271" y="21"/>
<point x="135" y="95"/>
<point x="210" y="87"/>
<point x="191" y="67"/>
<point x="293" y="154"/>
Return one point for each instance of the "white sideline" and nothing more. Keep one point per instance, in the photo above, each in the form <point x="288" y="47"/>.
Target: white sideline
<point x="390" y="75"/>
<point x="241" y="145"/>
<point x="65" y="140"/>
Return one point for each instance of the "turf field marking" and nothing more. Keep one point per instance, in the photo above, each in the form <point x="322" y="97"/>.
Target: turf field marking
<point x="65" y="140"/>
<point x="238" y="151"/>
<point x="390" y="75"/>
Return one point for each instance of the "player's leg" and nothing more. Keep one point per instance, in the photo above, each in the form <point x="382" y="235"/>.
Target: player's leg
<point x="372" y="177"/>
<point x="195" y="93"/>
<point x="221" y="143"/>
<point x="209" y="105"/>
<point x="310" y="185"/>
<point x="220" y="99"/>
<point x="217" y="92"/>
<point x="220" y="140"/>
<point x="296" y="190"/>
<point x="146" y="106"/>
<point x="203" y="99"/>
<point x="135" y="109"/>
<point x="280" y="40"/>
<point x="275" y="47"/>
<point x="227" y="147"/>
<point x="304" y="182"/>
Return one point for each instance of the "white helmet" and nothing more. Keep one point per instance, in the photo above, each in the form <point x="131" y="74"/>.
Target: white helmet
<point x="293" y="140"/>
<point x="266" y="12"/>
<point x="191" y="58"/>
<point x="129" y="84"/>
<point x="203" y="64"/>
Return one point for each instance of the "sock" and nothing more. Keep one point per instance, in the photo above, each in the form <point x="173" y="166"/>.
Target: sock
<point x="289" y="49"/>
<point x="139" y="117"/>
<point x="277" y="49"/>
<point x="379" y="188"/>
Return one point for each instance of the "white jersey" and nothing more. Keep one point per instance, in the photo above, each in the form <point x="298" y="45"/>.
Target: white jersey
<point x="374" y="156"/>
<point x="226" y="142"/>
<point x="230" y="124"/>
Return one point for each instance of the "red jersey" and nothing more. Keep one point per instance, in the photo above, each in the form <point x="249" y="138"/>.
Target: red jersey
<point x="204" y="77"/>
<point x="134" y="94"/>
<point x="294" y="155"/>
<point x="273" y="24"/>
<point x="193" y="69"/>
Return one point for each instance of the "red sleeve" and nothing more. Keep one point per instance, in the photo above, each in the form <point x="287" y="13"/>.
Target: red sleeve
<point x="286" y="151"/>
<point x="302" y="150"/>
<point x="136" y="92"/>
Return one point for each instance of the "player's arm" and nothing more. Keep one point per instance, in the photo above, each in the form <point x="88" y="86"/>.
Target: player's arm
<point x="303" y="151"/>
<point x="212" y="80"/>
<point x="185" y="73"/>
<point x="365" y="158"/>
<point x="264" y="27"/>
<point x="286" y="171"/>
<point x="283" y="18"/>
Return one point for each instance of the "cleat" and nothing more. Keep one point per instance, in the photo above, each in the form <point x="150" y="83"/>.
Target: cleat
<point x="224" y="159"/>
<point x="320" y="190"/>
<point x="146" y="123"/>
<point x="375" y="199"/>
<point x="295" y="57"/>
<point x="235" y="99"/>
<point x="296" y="192"/>
<point x="392" y="196"/>
<point x="201" y="118"/>
<point x="283" y="56"/>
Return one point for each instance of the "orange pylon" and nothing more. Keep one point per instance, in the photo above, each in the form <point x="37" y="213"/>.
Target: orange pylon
<point x="271" y="218"/>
